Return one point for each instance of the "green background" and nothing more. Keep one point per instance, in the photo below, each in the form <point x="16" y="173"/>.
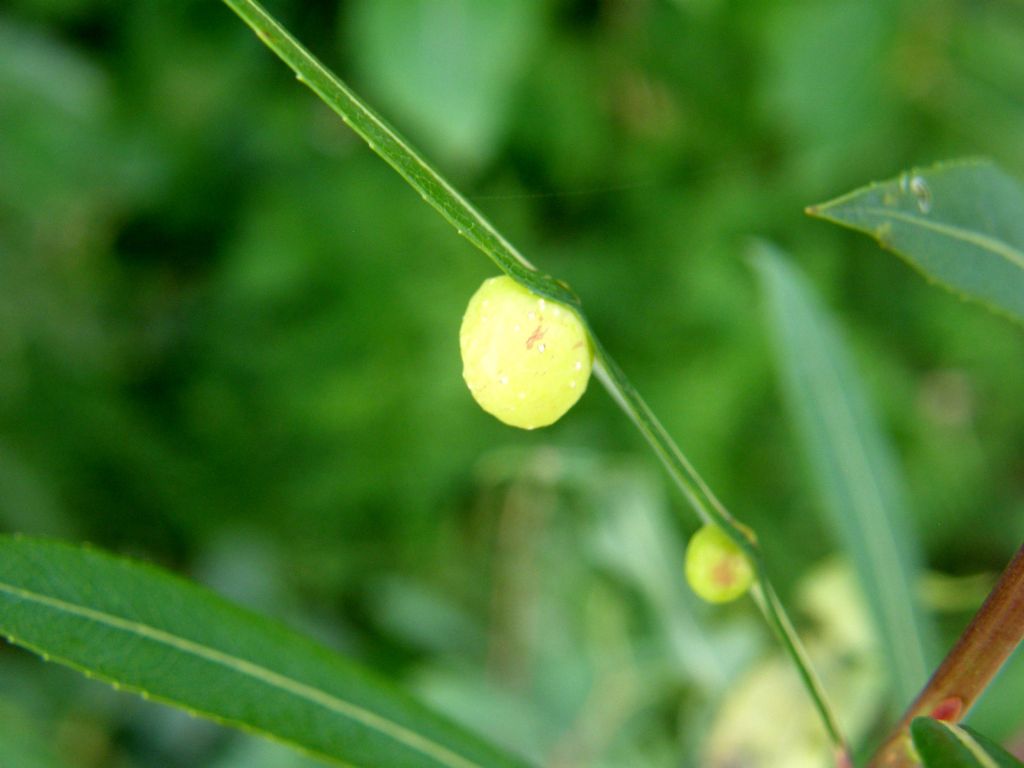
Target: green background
<point x="228" y="344"/>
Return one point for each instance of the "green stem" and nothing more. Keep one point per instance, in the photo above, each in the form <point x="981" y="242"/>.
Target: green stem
<point x="471" y="224"/>
<point x="711" y="510"/>
<point x="768" y="601"/>
<point x="397" y="152"/>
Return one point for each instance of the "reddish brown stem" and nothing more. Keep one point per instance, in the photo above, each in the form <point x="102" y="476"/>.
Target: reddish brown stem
<point x="982" y="649"/>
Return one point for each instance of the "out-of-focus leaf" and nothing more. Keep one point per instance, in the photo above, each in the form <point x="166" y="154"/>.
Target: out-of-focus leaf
<point x="21" y="742"/>
<point x="259" y="753"/>
<point x="842" y="650"/>
<point x="852" y="465"/>
<point x="960" y="223"/>
<point x="830" y="126"/>
<point x="634" y="540"/>
<point x="945" y="745"/>
<point x="150" y="632"/>
<point x="446" y="66"/>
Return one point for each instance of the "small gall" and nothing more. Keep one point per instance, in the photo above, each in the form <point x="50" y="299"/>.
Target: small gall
<point x="716" y="568"/>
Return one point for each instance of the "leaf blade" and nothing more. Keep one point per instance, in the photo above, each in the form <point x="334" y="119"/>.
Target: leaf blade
<point x="851" y="464"/>
<point x="946" y="745"/>
<point x="960" y="224"/>
<point x="149" y="632"/>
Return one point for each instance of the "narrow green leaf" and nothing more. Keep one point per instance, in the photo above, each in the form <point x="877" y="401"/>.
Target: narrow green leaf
<point x="851" y="464"/>
<point x="398" y="153"/>
<point x="470" y="223"/>
<point x="147" y="631"/>
<point x="959" y="223"/>
<point x="944" y="745"/>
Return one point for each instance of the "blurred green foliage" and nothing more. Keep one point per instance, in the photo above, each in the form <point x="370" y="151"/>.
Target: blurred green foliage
<point x="228" y="342"/>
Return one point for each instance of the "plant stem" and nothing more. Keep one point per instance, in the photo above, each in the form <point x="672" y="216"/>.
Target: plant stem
<point x="398" y="152"/>
<point x="711" y="510"/>
<point x="993" y="634"/>
<point x="472" y="225"/>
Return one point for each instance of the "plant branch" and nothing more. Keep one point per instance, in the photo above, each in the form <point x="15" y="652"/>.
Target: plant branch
<point x="472" y="225"/>
<point x="993" y="634"/>
<point x="710" y="509"/>
<point x="398" y="152"/>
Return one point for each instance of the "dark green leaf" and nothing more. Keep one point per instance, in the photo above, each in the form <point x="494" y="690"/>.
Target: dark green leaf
<point x="944" y="745"/>
<point x="960" y="223"/>
<point x="150" y="632"/>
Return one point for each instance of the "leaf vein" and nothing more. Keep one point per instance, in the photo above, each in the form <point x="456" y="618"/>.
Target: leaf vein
<point x="977" y="751"/>
<point x="984" y="242"/>
<point x="241" y="666"/>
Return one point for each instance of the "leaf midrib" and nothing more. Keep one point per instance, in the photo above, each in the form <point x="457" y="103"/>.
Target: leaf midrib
<point x="977" y="751"/>
<point x="991" y="244"/>
<point x="241" y="666"/>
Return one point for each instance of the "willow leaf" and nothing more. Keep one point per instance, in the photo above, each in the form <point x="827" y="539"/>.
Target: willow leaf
<point x="959" y="223"/>
<point x="153" y="633"/>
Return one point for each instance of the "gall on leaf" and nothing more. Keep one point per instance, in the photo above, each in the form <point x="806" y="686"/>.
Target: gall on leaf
<point x="716" y="568"/>
<point x="525" y="359"/>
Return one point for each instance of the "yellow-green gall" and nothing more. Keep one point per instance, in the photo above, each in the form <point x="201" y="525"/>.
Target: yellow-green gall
<point x="525" y="359"/>
<point x="716" y="568"/>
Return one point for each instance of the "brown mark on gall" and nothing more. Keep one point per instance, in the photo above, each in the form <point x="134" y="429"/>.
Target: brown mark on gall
<point x="535" y="337"/>
<point x="723" y="573"/>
